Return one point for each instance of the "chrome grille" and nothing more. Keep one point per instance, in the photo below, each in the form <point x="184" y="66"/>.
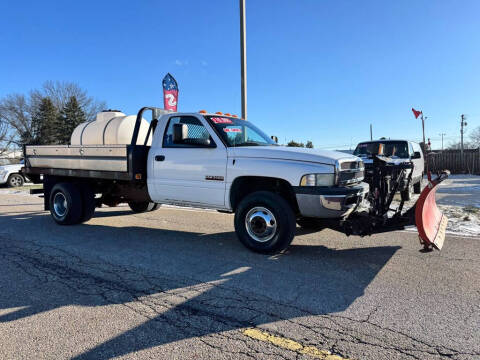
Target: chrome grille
<point x="349" y="177"/>
<point x="350" y="172"/>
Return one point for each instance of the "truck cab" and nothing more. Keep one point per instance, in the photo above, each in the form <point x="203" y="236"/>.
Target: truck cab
<point x="209" y="159"/>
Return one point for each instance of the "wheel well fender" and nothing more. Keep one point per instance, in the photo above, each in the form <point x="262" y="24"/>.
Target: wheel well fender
<point x="244" y="185"/>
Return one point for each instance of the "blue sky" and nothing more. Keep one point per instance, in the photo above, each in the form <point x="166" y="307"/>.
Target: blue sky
<point x="317" y="70"/>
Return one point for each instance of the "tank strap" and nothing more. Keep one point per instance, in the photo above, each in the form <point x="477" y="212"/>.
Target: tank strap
<point x="105" y="129"/>
<point x="81" y="134"/>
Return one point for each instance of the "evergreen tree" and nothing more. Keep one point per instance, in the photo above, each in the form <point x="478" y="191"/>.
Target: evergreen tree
<point x="44" y="120"/>
<point x="309" y="144"/>
<point x="295" y="144"/>
<point x="69" y="118"/>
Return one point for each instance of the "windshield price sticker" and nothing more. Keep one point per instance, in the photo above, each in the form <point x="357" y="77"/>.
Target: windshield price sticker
<point x="222" y="120"/>
<point x="234" y="130"/>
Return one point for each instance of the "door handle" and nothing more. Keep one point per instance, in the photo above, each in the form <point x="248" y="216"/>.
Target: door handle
<point x="159" y="157"/>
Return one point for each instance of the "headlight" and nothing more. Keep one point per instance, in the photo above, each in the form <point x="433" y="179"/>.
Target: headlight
<point x="318" y="180"/>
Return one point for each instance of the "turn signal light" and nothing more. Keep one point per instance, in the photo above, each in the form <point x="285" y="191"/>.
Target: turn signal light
<point x="202" y="112"/>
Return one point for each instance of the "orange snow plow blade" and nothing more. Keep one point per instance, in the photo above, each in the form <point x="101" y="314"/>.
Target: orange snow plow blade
<point x="430" y="221"/>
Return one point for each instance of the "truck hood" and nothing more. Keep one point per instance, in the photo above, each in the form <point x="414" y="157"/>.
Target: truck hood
<point x="290" y="153"/>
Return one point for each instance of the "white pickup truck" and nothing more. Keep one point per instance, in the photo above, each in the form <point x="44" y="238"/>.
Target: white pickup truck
<point x="202" y="160"/>
<point x="10" y="175"/>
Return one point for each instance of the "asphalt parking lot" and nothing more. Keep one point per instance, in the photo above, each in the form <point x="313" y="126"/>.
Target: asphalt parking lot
<point x="176" y="284"/>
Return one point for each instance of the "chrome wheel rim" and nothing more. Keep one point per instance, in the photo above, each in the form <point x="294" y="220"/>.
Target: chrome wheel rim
<point x="15" y="181"/>
<point x="261" y="224"/>
<point x="60" y="204"/>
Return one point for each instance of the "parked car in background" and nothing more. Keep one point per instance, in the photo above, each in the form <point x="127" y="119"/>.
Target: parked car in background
<point x="10" y="175"/>
<point x="399" y="151"/>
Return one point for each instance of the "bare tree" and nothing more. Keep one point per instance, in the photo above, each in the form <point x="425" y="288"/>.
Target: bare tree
<point x="475" y="138"/>
<point x="16" y="119"/>
<point x="5" y="137"/>
<point x="60" y="93"/>
<point x="17" y="110"/>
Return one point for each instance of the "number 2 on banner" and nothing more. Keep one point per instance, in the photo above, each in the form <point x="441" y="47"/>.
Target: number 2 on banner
<point x="170" y="100"/>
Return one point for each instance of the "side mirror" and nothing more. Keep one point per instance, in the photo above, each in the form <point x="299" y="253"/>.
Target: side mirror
<point x="180" y="133"/>
<point x="274" y="138"/>
<point x="417" y="155"/>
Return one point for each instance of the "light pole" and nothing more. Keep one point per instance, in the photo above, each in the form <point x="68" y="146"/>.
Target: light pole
<point x="442" y="135"/>
<point x="243" y="58"/>
<point x="423" y="130"/>
<point x="463" y="123"/>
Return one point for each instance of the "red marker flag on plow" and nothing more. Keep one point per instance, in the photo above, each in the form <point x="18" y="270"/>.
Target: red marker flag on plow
<point x="170" y="93"/>
<point x="416" y="113"/>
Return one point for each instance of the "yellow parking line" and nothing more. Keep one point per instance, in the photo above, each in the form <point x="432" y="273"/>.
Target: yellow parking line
<point x="290" y="344"/>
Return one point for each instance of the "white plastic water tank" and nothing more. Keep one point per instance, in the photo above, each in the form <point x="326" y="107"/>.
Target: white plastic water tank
<point x="109" y="128"/>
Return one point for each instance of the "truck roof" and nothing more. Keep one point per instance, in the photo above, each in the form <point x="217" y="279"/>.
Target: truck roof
<point x="385" y="140"/>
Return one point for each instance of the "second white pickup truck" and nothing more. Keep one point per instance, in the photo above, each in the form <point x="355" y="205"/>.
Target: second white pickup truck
<point x="202" y="160"/>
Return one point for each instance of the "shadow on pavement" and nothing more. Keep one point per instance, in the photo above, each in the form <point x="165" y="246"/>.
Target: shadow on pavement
<point x="194" y="284"/>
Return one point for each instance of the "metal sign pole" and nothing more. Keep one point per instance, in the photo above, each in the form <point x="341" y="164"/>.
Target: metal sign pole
<point x="243" y="58"/>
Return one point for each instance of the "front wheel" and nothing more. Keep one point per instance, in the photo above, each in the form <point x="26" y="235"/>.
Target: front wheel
<point x="265" y="222"/>
<point x="141" y="207"/>
<point x="15" y="180"/>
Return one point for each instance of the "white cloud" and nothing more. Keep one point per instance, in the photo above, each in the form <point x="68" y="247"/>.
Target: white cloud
<point x="179" y="62"/>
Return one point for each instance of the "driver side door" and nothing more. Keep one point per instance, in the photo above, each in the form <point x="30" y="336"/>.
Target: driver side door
<point x="189" y="172"/>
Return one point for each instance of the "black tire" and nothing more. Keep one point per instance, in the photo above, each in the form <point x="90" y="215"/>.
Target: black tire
<point x="89" y="203"/>
<point x="15" y="180"/>
<point x="407" y="193"/>
<point x="284" y="222"/>
<point x="417" y="187"/>
<point x="310" y="223"/>
<point x="141" y="207"/>
<point x="70" y="211"/>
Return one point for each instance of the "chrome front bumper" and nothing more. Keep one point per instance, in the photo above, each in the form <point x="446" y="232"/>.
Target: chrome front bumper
<point x="325" y="203"/>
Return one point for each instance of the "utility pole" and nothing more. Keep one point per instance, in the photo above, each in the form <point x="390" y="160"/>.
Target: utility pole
<point x="442" y="135"/>
<point x="243" y="58"/>
<point x="462" y="124"/>
<point x="423" y="130"/>
<point x="371" y="133"/>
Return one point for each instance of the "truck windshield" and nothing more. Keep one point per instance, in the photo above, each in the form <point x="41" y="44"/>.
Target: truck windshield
<point x="395" y="149"/>
<point x="237" y="132"/>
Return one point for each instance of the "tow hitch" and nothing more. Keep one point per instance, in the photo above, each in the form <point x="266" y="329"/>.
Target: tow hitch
<point x="376" y="215"/>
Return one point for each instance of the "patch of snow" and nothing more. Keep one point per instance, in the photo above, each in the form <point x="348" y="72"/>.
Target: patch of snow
<point x="458" y="197"/>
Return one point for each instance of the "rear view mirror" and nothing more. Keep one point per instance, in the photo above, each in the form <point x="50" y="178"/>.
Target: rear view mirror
<point x="417" y="155"/>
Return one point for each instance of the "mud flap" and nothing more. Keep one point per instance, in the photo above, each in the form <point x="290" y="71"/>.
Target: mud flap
<point x="430" y="221"/>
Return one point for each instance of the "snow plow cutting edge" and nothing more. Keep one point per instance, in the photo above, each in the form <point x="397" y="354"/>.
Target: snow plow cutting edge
<point x="430" y="221"/>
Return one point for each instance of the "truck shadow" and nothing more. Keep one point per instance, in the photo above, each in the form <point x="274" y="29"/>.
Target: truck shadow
<point x="192" y="284"/>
